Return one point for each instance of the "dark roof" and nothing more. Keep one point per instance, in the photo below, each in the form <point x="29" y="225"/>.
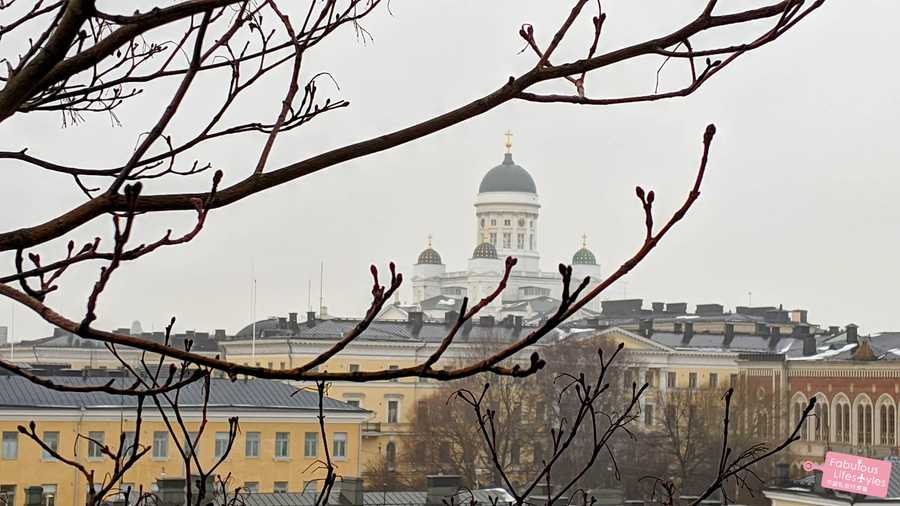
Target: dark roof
<point x="507" y="177"/>
<point x="429" y="256"/>
<point x="584" y="256"/>
<point x="747" y="343"/>
<point x="19" y="392"/>
<point x="202" y="341"/>
<point x="485" y="250"/>
<point x="441" y="302"/>
<point x="382" y="330"/>
<point x="370" y="498"/>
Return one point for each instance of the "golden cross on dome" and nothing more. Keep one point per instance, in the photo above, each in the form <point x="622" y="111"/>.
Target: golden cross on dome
<point x="429" y="240"/>
<point x="508" y="135"/>
<point x="584" y="241"/>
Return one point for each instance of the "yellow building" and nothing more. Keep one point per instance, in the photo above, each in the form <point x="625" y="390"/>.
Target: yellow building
<point x="276" y="447"/>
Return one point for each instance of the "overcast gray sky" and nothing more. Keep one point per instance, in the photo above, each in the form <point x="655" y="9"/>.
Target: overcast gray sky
<point x="799" y="207"/>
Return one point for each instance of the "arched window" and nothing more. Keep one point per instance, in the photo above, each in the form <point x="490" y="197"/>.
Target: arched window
<point x="797" y="411"/>
<point x="391" y="456"/>
<point x="822" y="427"/>
<point x="864" y="424"/>
<point x="887" y="421"/>
<point x="841" y="420"/>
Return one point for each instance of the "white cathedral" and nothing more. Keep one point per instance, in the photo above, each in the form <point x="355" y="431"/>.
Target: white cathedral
<point x="507" y="209"/>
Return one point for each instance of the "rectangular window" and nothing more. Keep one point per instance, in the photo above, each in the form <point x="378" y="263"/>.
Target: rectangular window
<point x="648" y="415"/>
<point x="520" y="241"/>
<point x="281" y="365"/>
<point x="507" y="239"/>
<point x="353" y="402"/>
<point x="671" y="380"/>
<point x="282" y="443"/>
<point x="340" y="445"/>
<point x="160" y="445"/>
<point x="354" y="367"/>
<point x="222" y="439"/>
<point x="8" y="495"/>
<point x="310" y="443"/>
<point x="713" y="380"/>
<point x="51" y="439"/>
<point x="280" y="487"/>
<point x="392" y="411"/>
<point x="271" y="364"/>
<point x="10" y="445"/>
<point x="494" y="239"/>
<point x="128" y="444"/>
<point x="393" y="367"/>
<point x="49" y="495"/>
<point x="734" y="379"/>
<point x="192" y="442"/>
<point x="506" y="223"/>
<point x="692" y="380"/>
<point x="95" y="444"/>
<point x="251" y="445"/>
<point x="251" y="487"/>
<point x="493" y="222"/>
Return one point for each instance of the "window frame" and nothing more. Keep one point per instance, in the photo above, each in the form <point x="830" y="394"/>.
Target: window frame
<point x="45" y="456"/>
<point x="282" y="446"/>
<point x="339" y="437"/>
<point x="4" y="440"/>
<point x="94" y="450"/>
<point x="256" y="443"/>
<point x="160" y="451"/>
<point x="314" y="451"/>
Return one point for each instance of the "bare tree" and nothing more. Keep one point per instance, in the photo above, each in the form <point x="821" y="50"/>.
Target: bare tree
<point x="76" y="59"/>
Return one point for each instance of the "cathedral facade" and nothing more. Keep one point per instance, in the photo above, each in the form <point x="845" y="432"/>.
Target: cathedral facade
<point x="507" y="217"/>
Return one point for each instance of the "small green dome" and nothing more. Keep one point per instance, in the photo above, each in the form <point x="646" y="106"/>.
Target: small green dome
<point x="584" y="256"/>
<point x="429" y="256"/>
<point x="485" y="250"/>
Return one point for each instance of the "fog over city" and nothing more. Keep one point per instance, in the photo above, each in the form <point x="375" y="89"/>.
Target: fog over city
<point x="798" y="208"/>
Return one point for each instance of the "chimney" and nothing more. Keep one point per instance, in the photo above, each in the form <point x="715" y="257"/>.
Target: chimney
<point x="762" y="329"/>
<point x="415" y="321"/>
<point x="4" y="337"/>
<point x="442" y="488"/>
<point x="798" y="315"/>
<point x="688" y="332"/>
<point x="351" y="491"/>
<point x="774" y="336"/>
<point x="282" y="323"/>
<point x="450" y="318"/>
<point x="729" y="334"/>
<point x="809" y="346"/>
<point x="517" y="323"/>
<point x="659" y="307"/>
<point x="486" y="321"/>
<point x="834" y="330"/>
<point x="310" y="319"/>
<point x="677" y="327"/>
<point x="852" y="331"/>
<point x="292" y="322"/>
<point x="645" y="328"/>
<point x="507" y="321"/>
<point x="220" y="334"/>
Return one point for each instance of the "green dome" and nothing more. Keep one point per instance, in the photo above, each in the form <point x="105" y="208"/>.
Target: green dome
<point x="584" y="256"/>
<point x="429" y="256"/>
<point x="485" y="250"/>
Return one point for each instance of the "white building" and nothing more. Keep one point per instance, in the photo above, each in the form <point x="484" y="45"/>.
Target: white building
<point x="507" y="212"/>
